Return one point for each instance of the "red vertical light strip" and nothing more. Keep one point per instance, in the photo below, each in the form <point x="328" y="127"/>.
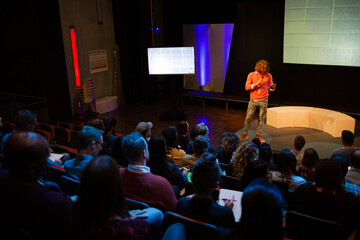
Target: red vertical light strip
<point x="75" y="56"/>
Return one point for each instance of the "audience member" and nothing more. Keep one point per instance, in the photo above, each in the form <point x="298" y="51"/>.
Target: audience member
<point x="308" y="164"/>
<point x="199" y="129"/>
<point x="139" y="183"/>
<point x="182" y="139"/>
<point x="262" y="212"/>
<point x="2" y="133"/>
<point x="299" y="143"/>
<point x="286" y="170"/>
<point x="25" y="121"/>
<point x="229" y="142"/>
<point x="205" y="177"/>
<point x="144" y="128"/>
<point x="257" y="142"/>
<point x="200" y="146"/>
<point x="96" y="123"/>
<point x="174" y="153"/>
<point x="117" y="153"/>
<point x="90" y="143"/>
<point x="28" y="208"/>
<point x="349" y="187"/>
<point x="353" y="175"/>
<point x="100" y="210"/>
<point x="327" y="199"/>
<point x="254" y="170"/>
<point x="243" y="155"/>
<point x="347" y="139"/>
<point x="159" y="165"/>
<point x="266" y="154"/>
<point x="109" y="135"/>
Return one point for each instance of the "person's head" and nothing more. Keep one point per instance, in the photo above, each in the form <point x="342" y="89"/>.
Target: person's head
<point x="96" y="123"/>
<point x="201" y="144"/>
<point x="90" y="140"/>
<point x="109" y="124"/>
<point x="229" y="142"/>
<point x="347" y="138"/>
<point x="100" y="196"/>
<point x="328" y="176"/>
<point x="299" y="142"/>
<point x="355" y="159"/>
<point x="157" y="147"/>
<point x="26" y="155"/>
<point x="265" y="152"/>
<point x="157" y="152"/>
<point x="262" y="212"/>
<point x="310" y="158"/>
<point x="244" y="154"/>
<point x="205" y="174"/>
<point x="25" y="120"/>
<point x="201" y="129"/>
<point x="135" y="148"/>
<point x="144" y="128"/>
<point x="170" y="136"/>
<point x="118" y="154"/>
<point x="344" y="163"/>
<point x="257" y="142"/>
<point x="262" y="66"/>
<point x="286" y="163"/>
<point x="254" y="170"/>
<point x="1" y="124"/>
<point x="182" y="127"/>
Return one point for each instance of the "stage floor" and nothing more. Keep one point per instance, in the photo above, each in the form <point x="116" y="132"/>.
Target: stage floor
<point x="220" y="121"/>
<point x="282" y="138"/>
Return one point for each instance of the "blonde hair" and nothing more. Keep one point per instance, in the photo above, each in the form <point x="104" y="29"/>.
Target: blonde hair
<point x="243" y="155"/>
<point x="262" y="66"/>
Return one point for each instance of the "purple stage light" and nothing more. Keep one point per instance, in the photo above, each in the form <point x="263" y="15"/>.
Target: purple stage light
<point x="203" y="53"/>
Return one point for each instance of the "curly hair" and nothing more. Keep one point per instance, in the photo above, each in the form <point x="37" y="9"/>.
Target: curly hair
<point x="228" y="144"/>
<point x="262" y="66"/>
<point x="244" y="154"/>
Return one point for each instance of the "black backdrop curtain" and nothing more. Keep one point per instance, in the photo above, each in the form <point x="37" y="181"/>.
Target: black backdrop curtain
<point x="132" y="27"/>
<point x="258" y="34"/>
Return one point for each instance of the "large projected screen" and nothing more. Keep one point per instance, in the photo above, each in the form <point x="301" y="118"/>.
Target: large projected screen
<point x="324" y="32"/>
<point x="176" y="60"/>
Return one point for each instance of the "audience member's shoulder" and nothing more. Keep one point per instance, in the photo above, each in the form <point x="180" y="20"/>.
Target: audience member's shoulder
<point x="182" y="203"/>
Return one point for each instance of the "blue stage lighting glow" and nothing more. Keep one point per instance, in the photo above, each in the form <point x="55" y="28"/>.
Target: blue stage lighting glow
<point x="203" y="53"/>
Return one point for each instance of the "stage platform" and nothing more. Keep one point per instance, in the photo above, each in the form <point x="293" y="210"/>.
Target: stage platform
<point x="283" y="138"/>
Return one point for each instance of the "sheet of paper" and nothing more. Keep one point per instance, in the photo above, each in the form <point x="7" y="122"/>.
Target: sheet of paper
<point x="54" y="156"/>
<point x="228" y="194"/>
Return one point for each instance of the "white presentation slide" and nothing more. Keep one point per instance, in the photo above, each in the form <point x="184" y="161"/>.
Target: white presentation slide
<point x="175" y="60"/>
<point x="322" y="32"/>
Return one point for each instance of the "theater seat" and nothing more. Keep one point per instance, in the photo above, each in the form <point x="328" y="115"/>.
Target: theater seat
<point x="194" y="229"/>
<point x="301" y="226"/>
<point x="134" y="204"/>
<point x="69" y="185"/>
<point x="229" y="182"/>
<point x="54" y="174"/>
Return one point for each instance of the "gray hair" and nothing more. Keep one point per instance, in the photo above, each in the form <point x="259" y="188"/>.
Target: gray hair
<point x="87" y="135"/>
<point x="133" y="145"/>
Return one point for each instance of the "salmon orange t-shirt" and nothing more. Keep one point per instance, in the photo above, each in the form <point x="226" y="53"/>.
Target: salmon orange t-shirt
<point x="258" y="93"/>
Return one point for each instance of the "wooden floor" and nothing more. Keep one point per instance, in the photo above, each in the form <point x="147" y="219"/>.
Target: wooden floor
<point x="213" y="115"/>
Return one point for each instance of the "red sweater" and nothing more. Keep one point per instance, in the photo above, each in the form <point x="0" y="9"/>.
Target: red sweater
<point x="149" y="188"/>
<point x="258" y="93"/>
